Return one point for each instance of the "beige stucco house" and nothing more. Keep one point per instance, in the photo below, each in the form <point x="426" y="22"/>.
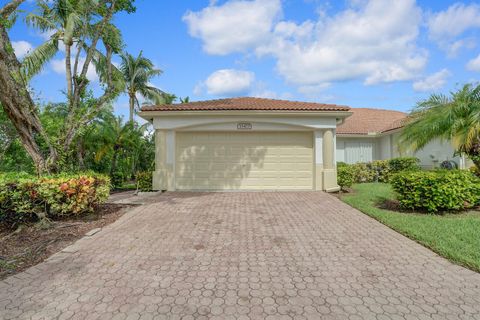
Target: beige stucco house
<point x="245" y="144"/>
<point x="266" y="144"/>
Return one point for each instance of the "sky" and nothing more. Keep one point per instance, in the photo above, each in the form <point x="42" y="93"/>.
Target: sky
<point x="360" y="53"/>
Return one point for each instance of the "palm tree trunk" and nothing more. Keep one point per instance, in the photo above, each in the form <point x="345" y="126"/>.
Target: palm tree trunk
<point x="68" y="73"/>
<point x="132" y="107"/>
<point x="113" y="168"/>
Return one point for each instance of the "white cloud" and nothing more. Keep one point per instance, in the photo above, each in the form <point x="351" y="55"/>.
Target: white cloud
<point x="227" y="82"/>
<point x="454" y="21"/>
<point x="21" y="48"/>
<point x="433" y="82"/>
<point x="445" y="26"/>
<point x="58" y="65"/>
<point x="374" y="41"/>
<point x="474" y="64"/>
<point x="235" y="26"/>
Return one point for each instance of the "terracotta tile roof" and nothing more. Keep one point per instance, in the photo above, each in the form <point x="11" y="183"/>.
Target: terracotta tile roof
<point x="369" y="121"/>
<point x="247" y="103"/>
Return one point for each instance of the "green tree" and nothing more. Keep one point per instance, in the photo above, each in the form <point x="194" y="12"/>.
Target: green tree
<point x="455" y="118"/>
<point x="137" y="73"/>
<point x="80" y="24"/>
<point x="120" y="141"/>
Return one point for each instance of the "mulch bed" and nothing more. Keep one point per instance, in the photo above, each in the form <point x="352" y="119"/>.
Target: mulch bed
<point x="32" y="244"/>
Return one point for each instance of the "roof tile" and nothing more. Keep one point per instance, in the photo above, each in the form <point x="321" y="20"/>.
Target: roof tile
<point x="247" y="103"/>
<point x="371" y="121"/>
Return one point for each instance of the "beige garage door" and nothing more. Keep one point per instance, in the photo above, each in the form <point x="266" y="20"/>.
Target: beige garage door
<point x="244" y="161"/>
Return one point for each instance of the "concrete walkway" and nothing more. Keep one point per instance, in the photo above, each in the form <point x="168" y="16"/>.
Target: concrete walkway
<point x="282" y="255"/>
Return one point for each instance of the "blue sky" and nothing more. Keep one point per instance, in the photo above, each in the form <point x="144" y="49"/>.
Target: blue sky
<point x="360" y="53"/>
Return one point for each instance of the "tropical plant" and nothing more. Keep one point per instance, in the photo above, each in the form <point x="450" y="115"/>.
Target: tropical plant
<point x="137" y="73"/>
<point x="455" y="118"/>
<point x="82" y="25"/>
<point x="25" y="198"/>
<point x="117" y="139"/>
<point x="185" y="100"/>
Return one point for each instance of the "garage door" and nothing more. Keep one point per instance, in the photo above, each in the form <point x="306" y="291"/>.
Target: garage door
<point x="244" y="161"/>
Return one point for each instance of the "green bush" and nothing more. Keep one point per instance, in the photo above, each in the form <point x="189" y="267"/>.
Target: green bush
<point x="117" y="179"/>
<point x="404" y="164"/>
<point x="26" y="198"/>
<point x="475" y="171"/>
<point x="363" y="173"/>
<point x="380" y="170"/>
<point x="345" y="176"/>
<point x="440" y="190"/>
<point x="342" y="164"/>
<point x="144" y="181"/>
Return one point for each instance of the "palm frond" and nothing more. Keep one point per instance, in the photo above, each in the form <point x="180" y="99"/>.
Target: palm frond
<point x="43" y="23"/>
<point x="153" y="94"/>
<point x="455" y="118"/>
<point x="34" y="62"/>
<point x="99" y="61"/>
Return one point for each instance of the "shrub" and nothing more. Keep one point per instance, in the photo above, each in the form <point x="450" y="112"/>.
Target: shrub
<point x="26" y="198"/>
<point x="345" y="176"/>
<point x="363" y="173"/>
<point x="439" y="190"/>
<point x="342" y="164"/>
<point x="116" y="179"/>
<point x="144" y="181"/>
<point x="404" y="164"/>
<point x="475" y="171"/>
<point x="381" y="170"/>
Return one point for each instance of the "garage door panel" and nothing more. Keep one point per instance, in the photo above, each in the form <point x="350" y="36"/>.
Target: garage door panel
<point x="250" y="161"/>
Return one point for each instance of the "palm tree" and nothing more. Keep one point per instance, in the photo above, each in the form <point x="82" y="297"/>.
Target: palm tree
<point x="137" y="73"/>
<point x="455" y="118"/>
<point x="115" y="137"/>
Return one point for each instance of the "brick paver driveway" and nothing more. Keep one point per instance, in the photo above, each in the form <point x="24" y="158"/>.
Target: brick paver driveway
<point x="244" y="255"/>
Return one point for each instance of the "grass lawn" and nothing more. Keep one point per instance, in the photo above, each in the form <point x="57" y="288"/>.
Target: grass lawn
<point x="454" y="236"/>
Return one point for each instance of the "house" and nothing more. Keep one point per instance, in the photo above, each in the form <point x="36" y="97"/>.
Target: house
<point x="373" y="134"/>
<point x="245" y="144"/>
<point x="266" y="144"/>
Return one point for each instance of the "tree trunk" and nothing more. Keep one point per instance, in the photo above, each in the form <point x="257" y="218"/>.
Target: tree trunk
<point x="80" y="155"/>
<point x="132" y="106"/>
<point x="18" y="104"/>
<point x="68" y="69"/>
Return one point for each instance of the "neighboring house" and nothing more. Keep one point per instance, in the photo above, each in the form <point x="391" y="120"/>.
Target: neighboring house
<point x="373" y="134"/>
<point x="267" y="144"/>
<point x="245" y="144"/>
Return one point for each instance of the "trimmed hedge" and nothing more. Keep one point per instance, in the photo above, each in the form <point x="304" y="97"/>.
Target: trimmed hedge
<point x="26" y="198"/>
<point x="144" y="181"/>
<point x="345" y="176"/>
<point x="435" y="191"/>
<point x="375" y="171"/>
